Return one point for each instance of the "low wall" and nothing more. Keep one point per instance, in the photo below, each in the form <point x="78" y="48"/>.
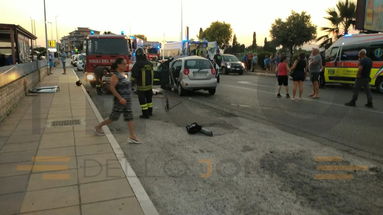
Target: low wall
<point x="15" y="81"/>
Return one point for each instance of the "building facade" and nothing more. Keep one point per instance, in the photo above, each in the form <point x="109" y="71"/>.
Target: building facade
<point x="75" y="40"/>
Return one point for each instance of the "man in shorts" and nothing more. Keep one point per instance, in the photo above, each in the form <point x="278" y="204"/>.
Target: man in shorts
<point x="315" y="68"/>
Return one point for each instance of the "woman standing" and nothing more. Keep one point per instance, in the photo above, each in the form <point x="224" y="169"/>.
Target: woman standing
<point x="282" y="75"/>
<point x="299" y="74"/>
<point x="120" y="87"/>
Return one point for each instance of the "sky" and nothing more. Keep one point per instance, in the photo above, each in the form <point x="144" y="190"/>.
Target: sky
<point x="159" y="20"/>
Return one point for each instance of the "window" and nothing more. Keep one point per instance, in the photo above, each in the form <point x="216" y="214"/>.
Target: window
<point x="177" y="65"/>
<point x="350" y="54"/>
<point x="376" y="52"/>
<point x="109" y="47"/>
<point x="198" y="64"/>
<point x="228" y="58"/>
<point x="333" y="54"/>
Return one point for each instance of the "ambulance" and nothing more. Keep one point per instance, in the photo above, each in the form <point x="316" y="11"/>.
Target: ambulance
<point x="342" y="61"/>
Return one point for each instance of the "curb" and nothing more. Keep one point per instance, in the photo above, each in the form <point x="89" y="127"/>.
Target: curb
<point x="139" y="191"/>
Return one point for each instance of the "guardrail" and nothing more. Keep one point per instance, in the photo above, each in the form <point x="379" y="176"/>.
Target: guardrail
<point x="11" y="73"/>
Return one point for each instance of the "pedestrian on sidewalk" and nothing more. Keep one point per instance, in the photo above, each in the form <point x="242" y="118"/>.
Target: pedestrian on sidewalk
<point x="142" y="75"/>
<point x="267" y="62"/>
<point x="254" y="62"/>
<point x="121" y="88"/>
<point x="282" y="76"/>
<point x="362" y="79"/>
<point x="315" y="67"/>
<point x="63" y="61"/>
<point x="299" y="74"/>
<point x="50" y="63"/>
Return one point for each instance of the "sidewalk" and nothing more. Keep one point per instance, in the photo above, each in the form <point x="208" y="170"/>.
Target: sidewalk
<point x="51" y="162"/>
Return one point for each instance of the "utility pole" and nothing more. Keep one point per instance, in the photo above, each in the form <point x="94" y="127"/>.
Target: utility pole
<point x="182" y="21"/>
<point x="46" y="34"/>
<point x="57" y="35"/>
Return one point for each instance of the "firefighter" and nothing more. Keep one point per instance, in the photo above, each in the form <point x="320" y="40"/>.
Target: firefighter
<point x="142" y="76"/>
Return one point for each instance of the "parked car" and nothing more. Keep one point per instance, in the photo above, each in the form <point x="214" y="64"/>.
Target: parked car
<point x="80" y="62"/>
<point x="73" y="60"/>
<point x="192" y="73"/>
<point x="231" y="64"/>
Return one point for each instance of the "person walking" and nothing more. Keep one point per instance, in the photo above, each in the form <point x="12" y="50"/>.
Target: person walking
<point x="63" y="61"/>
<point x="142" y="75"/>
<point x="282" y="75"/>
<point x="315" y="67"/>
<point x="362" y="79"/>
<point x="121" y="88"/>
<point x="299" y="74"/>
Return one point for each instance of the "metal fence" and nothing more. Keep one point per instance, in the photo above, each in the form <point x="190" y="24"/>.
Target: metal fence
<point x="11" y="73"/>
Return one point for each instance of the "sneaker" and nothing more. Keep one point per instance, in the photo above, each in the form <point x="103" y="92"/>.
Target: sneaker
<point x="287" y="96"/>
<point x="369" y="105"/>
<point x="350" y="104"/>
<point x="279" y="95"/>
<point x="98" y="132"/>
<point x="133" y="141"/>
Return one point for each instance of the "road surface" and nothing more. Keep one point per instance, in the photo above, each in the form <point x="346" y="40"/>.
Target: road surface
<point x="266" y="156"/>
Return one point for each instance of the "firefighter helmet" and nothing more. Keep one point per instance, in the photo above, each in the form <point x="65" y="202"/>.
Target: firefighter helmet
<point x="140" y="52"/>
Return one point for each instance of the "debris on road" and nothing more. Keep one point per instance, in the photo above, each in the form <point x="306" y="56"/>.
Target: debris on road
<point x="47" y="89"/>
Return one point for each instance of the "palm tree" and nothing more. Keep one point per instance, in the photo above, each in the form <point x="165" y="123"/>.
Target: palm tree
<point x="341" y="19"/>
<point x="347" y="12"/>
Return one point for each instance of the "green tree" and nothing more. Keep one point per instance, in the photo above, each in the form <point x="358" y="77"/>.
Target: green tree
<point x="294" y="32"/>
<point x="201" y="34"/>
<point x="254" y="43"/>
<point x="220" y="32"/>
<point x="141" y="36"/>
<point x="341" y="19"/>
<point x="235" y="41"/>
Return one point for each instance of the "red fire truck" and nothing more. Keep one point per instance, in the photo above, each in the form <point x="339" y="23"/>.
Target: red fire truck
<point x="153" y="50"/>
<point x="101" y="52"/>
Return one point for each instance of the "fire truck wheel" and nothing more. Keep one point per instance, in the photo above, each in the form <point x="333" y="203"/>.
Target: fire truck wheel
<point x="93" y="84"/>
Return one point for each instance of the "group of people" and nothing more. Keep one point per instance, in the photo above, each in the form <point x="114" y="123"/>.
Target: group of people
<point x="121" y="88"/>
<point x="313" y="66"/>
<point x="298" y="71"/>
<point x="250" y="60"/>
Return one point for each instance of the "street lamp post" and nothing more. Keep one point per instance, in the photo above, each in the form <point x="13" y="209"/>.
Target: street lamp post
<point x="46" y="36"/>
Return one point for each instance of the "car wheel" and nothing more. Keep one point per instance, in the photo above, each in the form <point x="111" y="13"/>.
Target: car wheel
<point x="379" y="84"/>
<point x="180" y="90"/>
<point x="93" y="84"/>
<point x="212" y="92"/>
<point x="241" y="73"/>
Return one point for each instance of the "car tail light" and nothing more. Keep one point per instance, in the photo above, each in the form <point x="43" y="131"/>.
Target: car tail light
<point x="186" y="71"/>
<point x="213" y="71"/>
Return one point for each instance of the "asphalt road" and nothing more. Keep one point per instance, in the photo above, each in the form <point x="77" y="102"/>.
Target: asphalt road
<point x="261" y="159"/>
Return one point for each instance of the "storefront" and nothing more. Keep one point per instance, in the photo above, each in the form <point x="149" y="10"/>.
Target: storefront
<point x="16" y="45"/>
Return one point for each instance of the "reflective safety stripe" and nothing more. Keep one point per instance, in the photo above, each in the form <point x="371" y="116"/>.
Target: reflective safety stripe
<point x="144" y="107"/>
<point x="156" y="79"/>
<point x="150" y="105"/>
<point x="144" y="88"/>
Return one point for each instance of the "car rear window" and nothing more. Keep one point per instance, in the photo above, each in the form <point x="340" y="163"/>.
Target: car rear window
<point x="198" y="64"/>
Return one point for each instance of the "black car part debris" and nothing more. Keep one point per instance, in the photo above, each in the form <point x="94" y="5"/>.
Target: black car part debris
<point x="195" y="128"/>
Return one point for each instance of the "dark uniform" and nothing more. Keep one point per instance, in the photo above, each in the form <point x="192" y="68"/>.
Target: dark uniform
<point x="143" y="75"/>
